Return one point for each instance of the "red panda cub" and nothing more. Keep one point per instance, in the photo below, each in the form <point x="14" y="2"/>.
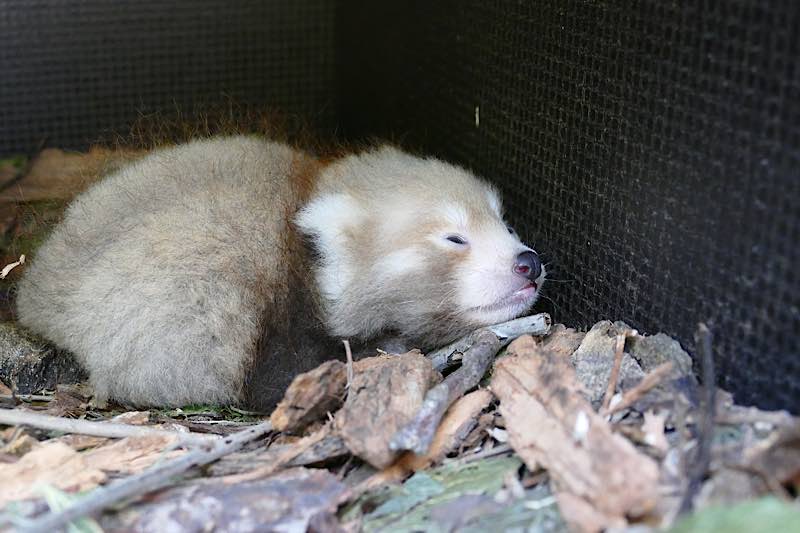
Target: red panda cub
<point x="215" y="271"/>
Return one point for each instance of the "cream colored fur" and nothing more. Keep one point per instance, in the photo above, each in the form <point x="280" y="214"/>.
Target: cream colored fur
<point x="158" y="276"/>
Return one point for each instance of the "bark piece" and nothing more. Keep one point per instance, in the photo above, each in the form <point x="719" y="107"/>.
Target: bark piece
<point x="505" y="331"/>
<point x="386" y="392"/>
<point x="562" y="341"/>
<point x="144" y="482"/>
<point x="311" y="396"/>
<point x="321" y="446"/>
<point x="418" y="434"/>
<point x="600" y="478"/>
<point x="29" y="365"/>
<point x="594" y="359"/>
<point x="654" y="350"/>
<point x="54" y="464"/>
<point x="455" y="426"/>
<point x="287" y="501"/>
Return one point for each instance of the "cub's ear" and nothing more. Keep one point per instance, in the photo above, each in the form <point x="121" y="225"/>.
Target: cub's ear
<point x="329" y="217"/>
<point x="330" y="220"/>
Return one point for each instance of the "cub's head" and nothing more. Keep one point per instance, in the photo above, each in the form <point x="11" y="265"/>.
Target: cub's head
<point x="415" y="247"/>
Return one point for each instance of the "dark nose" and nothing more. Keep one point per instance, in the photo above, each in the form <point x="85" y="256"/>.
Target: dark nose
<point x="529" y="265"/>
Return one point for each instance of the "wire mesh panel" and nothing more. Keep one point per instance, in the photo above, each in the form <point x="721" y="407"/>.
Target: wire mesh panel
<point x="650" y="151"/>
<point x="72" y="70"/>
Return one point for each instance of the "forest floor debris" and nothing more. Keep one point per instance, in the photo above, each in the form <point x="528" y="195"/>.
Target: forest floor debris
<point x="532" y="440"/>
<point x="562" y="428"/>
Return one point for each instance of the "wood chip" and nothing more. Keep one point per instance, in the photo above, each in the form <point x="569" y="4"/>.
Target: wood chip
<point x="386" y="393"/>
<point x="52" y="463"/>
<point x="288" y="502"/>
<point x="418" y="434"/>
<point x="11" y="266"/>
<point x="133" y="418"/>
<point x="653" y="428"/>
<point x="599" y="478"/>
<point x="311" y="396"/>
<point x="132" y="454"/>
<point x="454" y="427"/>
<point x="562" y="341"/>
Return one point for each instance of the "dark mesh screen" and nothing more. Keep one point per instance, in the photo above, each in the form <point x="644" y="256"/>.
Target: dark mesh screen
<point x="649" y="149"/>
<point x="70" y="71"/>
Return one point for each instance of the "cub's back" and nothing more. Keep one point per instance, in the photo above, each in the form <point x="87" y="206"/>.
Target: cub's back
<point x="179" y="243"/>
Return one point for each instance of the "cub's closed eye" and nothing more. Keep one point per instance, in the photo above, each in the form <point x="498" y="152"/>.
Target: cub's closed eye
<point x="457" y="239"/>
<point x="510" y="230"/>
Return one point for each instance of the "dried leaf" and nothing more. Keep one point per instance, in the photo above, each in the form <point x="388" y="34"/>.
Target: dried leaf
<point x="598" y="475"/>
<point x="52" y="463"/>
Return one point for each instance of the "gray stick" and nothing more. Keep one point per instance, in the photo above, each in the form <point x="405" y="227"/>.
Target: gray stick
<point x="506" y="332"/>
<point x="147" y="481"/>
<point x="13" y="417"/>
<point x="418" y="434"/>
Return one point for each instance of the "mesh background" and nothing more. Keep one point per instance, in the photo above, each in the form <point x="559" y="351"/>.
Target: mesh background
<point x="648" y="149"/>
<point x="71" y="71"/>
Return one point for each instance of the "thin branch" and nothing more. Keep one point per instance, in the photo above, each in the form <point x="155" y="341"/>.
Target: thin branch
<point x="700" y="464"/>
<point x="418" y="434"/>
<point x="483" y="454"/>
<point x="145" y="482"/>
<point x="619" y="351"/>
<point x="13" y="417"/>
<point x="506" y="332"/>
<point x="28" y="397"/>
<point x="349" y="354"/>
<point x="650" y="381"/>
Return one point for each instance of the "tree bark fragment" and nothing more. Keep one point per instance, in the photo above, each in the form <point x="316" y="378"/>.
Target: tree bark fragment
<point x="599" y="477"/>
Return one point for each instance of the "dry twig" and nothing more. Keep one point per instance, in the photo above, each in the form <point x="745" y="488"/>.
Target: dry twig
<point x="349" y="353"/>
<point x="700" y="463"/>
<point x="8" y="268"/>
<point x="650" y="381"/>
<point x="619" y="351"/>
<point x="148" y="481"/>
<point x="13" y="417"/>
<point x="506" y="332"/>
<point x="418" y="434"/>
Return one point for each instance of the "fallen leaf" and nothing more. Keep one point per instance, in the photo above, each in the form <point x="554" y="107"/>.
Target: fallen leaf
<point x="52" y="463"/>
<point x="600" y="477"/>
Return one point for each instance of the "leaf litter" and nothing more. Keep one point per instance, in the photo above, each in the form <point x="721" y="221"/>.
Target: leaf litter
<point x="589" y="431"/>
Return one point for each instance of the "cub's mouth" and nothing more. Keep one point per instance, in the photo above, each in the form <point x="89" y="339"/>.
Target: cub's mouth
<point x="518" y="299"/>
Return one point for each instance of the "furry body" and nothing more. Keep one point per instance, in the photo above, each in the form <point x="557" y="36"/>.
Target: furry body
<point x="214" y="271"/>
